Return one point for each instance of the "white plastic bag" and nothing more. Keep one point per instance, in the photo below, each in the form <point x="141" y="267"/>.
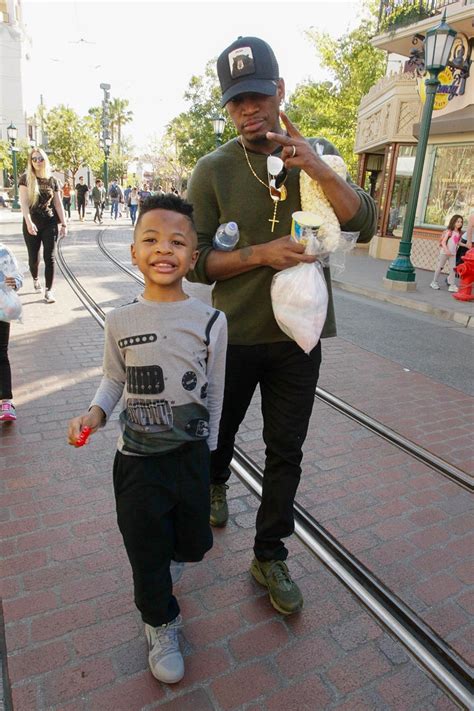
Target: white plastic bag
<point x="300" y="301"/>
<point x="10" y="304"/>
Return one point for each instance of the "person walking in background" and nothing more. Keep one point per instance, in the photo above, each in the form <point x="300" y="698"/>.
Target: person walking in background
<point x="133" y="201"/>
<point x="171" y="384"/>
<point x="81" y="194"/>
<point x="41" y="206"/>
<point x="98" y="197"/>
<point x="10" y="277"/>
<point x="232" y="183"/>
<point x="144" y="193"/>
<point x="66" y="193"/>
<point x="126" y="195"/>
<point x="115" y="195"/>
<point x="448" y="246"/>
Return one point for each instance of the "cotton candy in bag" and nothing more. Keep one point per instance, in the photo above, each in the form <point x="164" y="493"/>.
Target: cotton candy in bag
<point x="300" y="301"/>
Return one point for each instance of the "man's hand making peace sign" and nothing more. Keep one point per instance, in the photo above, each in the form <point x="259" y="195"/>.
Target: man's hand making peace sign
<point x="298" y="153"/>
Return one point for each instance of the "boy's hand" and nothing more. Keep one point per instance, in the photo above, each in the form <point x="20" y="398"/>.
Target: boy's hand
<point x="92" y="419"/>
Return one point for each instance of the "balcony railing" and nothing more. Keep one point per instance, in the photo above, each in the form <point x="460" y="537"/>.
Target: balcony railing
<point x="399" y="13"/>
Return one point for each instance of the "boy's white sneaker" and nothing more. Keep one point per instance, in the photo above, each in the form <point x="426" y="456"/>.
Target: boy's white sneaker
<point x="453" y="289"/>
<point x="434" y="285"/>
<point x="49" y="296"/>
<point x="165" y="658"/>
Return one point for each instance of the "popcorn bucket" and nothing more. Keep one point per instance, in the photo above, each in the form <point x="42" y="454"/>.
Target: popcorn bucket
<point x="303" y="224"/>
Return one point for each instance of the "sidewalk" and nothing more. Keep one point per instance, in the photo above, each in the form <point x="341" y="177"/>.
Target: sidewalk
<point x="364" y="275"/>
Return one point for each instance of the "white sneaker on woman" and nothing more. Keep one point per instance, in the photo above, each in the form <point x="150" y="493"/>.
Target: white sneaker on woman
<point x="165" y="658"/>
<point x="49" y="296"/>
<point x="434" y="285"/>
<point x="36" y="284"/>
<point x="453" y="289"/>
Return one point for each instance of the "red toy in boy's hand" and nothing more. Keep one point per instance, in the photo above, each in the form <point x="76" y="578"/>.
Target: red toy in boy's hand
<point x="83" y="437"/>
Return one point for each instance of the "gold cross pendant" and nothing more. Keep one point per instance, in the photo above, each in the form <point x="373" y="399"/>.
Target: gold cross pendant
<point x="273" y="220"/>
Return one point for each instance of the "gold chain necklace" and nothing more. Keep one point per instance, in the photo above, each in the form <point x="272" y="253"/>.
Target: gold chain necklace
<point x="276" y="194"/>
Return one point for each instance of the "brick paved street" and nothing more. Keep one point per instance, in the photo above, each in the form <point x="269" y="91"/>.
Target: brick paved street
<point x="74" y="639"/>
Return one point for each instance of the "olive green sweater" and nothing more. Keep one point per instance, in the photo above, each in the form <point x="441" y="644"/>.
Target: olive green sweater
<point x="222" y="189"/>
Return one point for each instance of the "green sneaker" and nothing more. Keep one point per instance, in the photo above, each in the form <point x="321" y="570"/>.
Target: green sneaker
<point x="219" y="509"/>
<point x="285" y="595"/>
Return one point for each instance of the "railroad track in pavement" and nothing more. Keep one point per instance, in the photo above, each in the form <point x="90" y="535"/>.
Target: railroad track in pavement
<point x="436" y="656"/>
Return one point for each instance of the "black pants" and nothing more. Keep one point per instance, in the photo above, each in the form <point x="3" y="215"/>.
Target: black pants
<point x="67" y="205"/>
<point x="460" y="252"/>
<point x="98" y="211"/>
<point x="5" y="370"/>
<point x="81" y="206"/>
<point x="287" y="379"/>
<point x="163" y="514"/>
<point x="46" y="236"/>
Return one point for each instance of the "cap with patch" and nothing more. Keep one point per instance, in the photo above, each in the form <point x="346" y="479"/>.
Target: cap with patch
<point x="248" y="64"/>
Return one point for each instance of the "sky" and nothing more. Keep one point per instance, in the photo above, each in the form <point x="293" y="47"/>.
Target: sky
<point x="148" y="51"/>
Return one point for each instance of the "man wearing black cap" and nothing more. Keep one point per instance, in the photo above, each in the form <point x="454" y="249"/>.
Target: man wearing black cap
<point x="233" y="184"/>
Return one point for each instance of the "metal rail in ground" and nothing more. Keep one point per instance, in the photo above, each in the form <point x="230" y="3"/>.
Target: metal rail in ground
<point x="445" y="667"/>
<point x="430" y="650"/>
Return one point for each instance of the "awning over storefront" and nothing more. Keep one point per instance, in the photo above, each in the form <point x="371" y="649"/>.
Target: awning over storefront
<point x="461" y="121"/>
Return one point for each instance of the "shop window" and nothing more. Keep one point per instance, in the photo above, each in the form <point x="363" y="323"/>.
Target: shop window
<point x="401" y="188"/>
<point x="451" y="185"/>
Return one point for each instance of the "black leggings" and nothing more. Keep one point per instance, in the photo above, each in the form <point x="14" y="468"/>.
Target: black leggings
<point x="5" y="371"/>
<point x="67" y="205"/>
<point x="46" y="236"/>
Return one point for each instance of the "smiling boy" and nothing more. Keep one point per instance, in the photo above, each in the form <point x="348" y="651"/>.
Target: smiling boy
<point x="165" y="358"/>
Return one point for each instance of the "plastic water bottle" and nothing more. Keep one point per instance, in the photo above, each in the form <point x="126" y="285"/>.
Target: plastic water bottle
<point x="226" y="237"/>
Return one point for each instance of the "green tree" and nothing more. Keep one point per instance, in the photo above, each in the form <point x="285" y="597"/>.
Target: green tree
<point x="329" y="108"/>
<point x="119" y="116"/>
<point x="5" y="156"/>
<point x="71" y="141"/>
<point x="94" y="118"/>
<point x="190" y="134"/>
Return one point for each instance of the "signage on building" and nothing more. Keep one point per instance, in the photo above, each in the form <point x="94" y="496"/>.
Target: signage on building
<point x="453" y="78"/>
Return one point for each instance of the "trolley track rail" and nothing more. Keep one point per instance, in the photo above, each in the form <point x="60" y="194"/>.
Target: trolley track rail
<point x="436" y="656"/>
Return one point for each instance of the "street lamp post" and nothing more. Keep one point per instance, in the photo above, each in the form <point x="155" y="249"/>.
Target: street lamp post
<point x="107" y="144"/>
<point x="106" y="140"/>
<point x="12" y="133"/>
<point x="438" y="44"/>
<point x="218" y="125"/>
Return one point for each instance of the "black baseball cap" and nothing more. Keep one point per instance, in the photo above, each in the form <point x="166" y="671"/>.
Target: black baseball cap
<point x="248" y="64"/>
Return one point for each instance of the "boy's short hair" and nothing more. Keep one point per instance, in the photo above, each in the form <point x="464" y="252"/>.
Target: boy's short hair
<point x="166" y="201"/>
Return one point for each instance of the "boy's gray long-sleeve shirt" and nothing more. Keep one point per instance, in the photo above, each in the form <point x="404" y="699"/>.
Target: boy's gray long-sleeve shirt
<point x="166" y="360"/>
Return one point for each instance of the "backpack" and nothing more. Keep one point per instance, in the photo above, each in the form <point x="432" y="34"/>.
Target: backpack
<point x="114" y="193"/>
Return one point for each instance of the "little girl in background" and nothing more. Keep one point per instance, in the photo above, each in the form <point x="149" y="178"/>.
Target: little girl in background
<point x="8" y="266"/>
<point x="447" y="253"/>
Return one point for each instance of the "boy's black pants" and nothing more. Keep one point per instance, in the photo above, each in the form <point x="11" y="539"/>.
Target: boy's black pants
<point x="287" y="379"/>
<point x="163" y="509"/>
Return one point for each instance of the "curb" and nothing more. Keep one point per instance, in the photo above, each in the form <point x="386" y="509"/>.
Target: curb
<point x="463" y="319"/>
